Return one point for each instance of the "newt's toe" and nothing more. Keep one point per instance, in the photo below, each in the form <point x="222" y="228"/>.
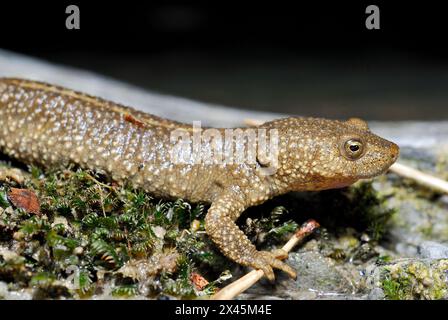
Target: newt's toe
<point x="267" y="261"/>
<point x="280" y="254"/>
<point x="268" y="272"/>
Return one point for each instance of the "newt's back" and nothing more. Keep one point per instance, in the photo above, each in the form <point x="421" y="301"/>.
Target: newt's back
<point x="52" y="126"/>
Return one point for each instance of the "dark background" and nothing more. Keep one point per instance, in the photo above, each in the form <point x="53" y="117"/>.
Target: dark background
<point x="311" y="58"/>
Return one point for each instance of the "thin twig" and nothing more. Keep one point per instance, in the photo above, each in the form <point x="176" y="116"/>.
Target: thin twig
<point x="89" y="176"/>
<point x="420" y="177"/>
<point x="245" y="282"/>
<point x="397" y="168"/>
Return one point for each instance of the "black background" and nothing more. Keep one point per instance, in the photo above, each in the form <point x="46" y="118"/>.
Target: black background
<point x="119" y="309"/>
<point x="250" y="54"/>
<point x="323" y="28"/>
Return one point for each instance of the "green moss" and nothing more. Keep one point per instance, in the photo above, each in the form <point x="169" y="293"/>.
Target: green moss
<point x="89" y="229"/>
<point x="396" y="290"/>
<point x="371" y="209"/>
<point x="181" y="285"/>
<point x="125" y="291"/>
<point x="416" y="280"/>
<point x="360" y="207"/>
<point x="382" y="260"/>
<point x="272" y="226"/>
<point x="3" y="199"/>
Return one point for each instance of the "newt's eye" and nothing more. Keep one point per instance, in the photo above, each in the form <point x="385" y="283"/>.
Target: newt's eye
<point x="353" y="149"/>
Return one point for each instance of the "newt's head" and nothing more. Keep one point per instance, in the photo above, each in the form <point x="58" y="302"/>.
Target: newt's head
<point x="316" y="154"/>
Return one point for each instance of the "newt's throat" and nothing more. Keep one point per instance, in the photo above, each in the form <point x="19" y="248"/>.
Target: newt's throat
<point x="338" y="184"/>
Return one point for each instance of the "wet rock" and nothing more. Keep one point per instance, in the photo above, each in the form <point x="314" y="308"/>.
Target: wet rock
<point x="376" y="294"/>
<point x="317" y="273"/>
<point x="6" y="294"/>
<point x="245" y="296"/>
<point x="318" y="277"/>
<point x="433" y="250"/>
<point x="421" y="214"/>
<point x="3" y="290"/>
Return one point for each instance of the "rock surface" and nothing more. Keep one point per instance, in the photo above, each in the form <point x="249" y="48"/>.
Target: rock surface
<point x="432" y="250"/>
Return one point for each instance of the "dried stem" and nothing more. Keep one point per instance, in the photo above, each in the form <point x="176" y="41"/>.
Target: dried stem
<point x="245" y="282"/>
<point x="420" y="177"/>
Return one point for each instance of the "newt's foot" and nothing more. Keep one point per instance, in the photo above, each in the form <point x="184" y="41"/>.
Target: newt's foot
<point x="266" y="261"/>
<point x="280" y="254"/>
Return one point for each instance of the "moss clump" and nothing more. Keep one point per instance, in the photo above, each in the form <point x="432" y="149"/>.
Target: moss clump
<point x="396" y="290"/>
<point x="271" y="226"/>
<point x="408" y="280"/>
<point x="359" y="207"/>
<point x="367" y="209"/>
<point x="88" y="230"/>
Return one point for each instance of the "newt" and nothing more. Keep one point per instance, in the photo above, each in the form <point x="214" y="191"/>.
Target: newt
<point x="53" y="127"/>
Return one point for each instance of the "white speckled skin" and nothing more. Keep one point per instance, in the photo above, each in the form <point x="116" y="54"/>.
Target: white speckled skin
<point x="53" y="127"/>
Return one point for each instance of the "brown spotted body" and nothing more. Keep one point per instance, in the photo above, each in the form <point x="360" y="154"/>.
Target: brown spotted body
<point x="52" y="127"/>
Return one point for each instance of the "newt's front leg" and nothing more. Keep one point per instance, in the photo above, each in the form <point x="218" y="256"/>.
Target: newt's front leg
<point x="221" y="228"/>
